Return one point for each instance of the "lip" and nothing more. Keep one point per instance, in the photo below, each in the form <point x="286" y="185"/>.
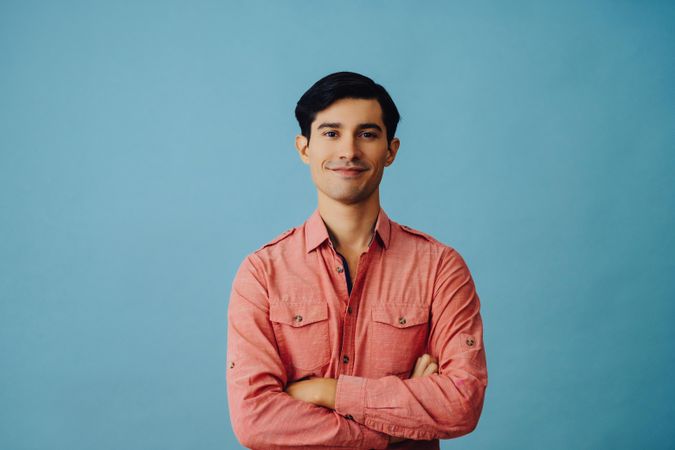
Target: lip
<point x="349" y="173"/>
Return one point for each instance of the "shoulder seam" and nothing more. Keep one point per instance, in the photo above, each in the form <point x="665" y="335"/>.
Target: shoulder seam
<point x="422" y="234"/>
<point x="280" y="237"/>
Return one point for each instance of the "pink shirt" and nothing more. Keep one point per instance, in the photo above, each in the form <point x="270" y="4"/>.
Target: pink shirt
<point x="290" y="316"/>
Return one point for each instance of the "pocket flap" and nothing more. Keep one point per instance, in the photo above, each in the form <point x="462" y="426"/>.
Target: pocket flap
<point x="400" y="315"/>
<point x="298" y="314"/>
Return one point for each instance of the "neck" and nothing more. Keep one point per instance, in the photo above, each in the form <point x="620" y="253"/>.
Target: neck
<point x="350" y="226"/>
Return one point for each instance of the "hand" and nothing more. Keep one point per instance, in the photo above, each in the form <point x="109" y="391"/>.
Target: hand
<point x="321" y="391"/>
<point x="318" y="391"/>
<point x="425" y="365"/>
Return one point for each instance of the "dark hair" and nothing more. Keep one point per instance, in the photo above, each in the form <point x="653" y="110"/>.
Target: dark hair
<point x="341" y="85"/>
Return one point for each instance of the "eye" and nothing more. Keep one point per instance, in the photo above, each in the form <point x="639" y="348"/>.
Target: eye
<point x="330" y="134"/>
<point x="369" y="135"/>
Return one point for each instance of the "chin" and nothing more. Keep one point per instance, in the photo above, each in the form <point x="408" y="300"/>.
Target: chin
<point x="349" y="198"/>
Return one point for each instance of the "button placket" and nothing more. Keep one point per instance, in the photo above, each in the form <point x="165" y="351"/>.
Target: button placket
<point x="349" y="325"/>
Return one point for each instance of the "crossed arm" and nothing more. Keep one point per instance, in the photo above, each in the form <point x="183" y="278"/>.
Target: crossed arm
<point x="267" y="412"/>
<point x="321" y="391"/>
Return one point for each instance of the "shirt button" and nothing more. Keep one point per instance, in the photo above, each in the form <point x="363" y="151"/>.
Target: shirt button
<point x="349" y="309"/>
<point x="401" y="320"/>
<point x="232" y="365"/>
<point x="349" y="417"/>
<point x="298" y="318"/>
<point x="345" y="359"/>
<point x="340" y="269"/>
<point x="470" y="341"/>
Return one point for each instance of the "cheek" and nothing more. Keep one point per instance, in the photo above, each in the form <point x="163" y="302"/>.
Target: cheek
<point x="316" y="171"/>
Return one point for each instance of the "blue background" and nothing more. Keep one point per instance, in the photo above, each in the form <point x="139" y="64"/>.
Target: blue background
<point x="147" y="147"/>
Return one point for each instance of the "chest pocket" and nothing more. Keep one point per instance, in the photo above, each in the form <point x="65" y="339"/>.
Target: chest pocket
<point x="397" y="336"/>
<point x="301" y="331"/>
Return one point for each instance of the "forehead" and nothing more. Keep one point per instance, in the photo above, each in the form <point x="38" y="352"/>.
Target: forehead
<point x="351" y="111"/>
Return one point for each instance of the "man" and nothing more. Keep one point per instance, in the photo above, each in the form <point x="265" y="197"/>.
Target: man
<point x="350" y="330"/>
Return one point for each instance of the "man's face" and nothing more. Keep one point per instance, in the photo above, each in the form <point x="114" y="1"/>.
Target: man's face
<point x="347" y="151"/>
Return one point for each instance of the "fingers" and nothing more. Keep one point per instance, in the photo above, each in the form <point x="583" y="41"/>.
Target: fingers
<point x="431" y="368"/>
<point x="422" y="366"/>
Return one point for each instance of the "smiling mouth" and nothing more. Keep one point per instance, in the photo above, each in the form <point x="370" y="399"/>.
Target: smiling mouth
<point x="349" y="173"/>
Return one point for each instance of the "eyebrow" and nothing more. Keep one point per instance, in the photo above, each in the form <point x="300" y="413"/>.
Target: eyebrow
<point x="361" y="126"/>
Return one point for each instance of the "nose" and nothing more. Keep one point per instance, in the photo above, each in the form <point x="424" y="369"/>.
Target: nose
<point x="349" y="149"/>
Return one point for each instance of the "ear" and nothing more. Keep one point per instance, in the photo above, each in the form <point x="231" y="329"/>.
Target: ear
<point x="302" y="145"/>
<point x="391" y="151"/>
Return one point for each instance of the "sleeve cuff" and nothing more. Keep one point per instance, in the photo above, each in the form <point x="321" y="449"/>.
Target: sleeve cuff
<point x="350" y="395"/>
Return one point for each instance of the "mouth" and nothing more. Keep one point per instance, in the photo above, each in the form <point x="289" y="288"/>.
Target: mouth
<point x="349" y="173"/>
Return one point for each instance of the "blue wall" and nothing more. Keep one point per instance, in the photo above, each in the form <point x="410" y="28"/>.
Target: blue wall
<point x="147" y="147"/>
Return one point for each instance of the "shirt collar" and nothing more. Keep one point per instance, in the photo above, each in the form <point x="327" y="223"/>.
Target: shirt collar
<point x="316" y="232"/>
